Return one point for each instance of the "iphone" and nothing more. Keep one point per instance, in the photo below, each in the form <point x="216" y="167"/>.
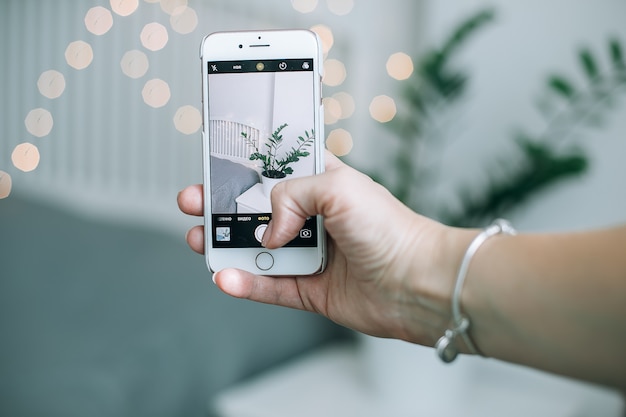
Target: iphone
<point x="262" y="124"/>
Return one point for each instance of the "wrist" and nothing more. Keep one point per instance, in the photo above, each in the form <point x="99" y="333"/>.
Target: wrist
<point x="436" y="256"/>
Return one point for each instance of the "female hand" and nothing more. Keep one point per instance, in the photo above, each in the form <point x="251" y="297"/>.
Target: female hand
<point x="383" y="276"/>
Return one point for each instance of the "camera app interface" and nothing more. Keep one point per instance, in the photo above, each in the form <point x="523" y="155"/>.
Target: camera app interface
<point x="260" y="132"/>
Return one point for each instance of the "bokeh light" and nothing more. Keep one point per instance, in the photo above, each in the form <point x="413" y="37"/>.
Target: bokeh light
<point x="134" y="64"/>
<point x="173" y="7"/>
<point x="326" y="37"/>
<point x="188" y="120"/>
<point x="185" y="22"/>
<point x="346" y="101"/>
<point x="154" y="36"/>
<point x="340" y="7"/>
<point x="339" y="142"/>
<point x="39" y="122"/>
<point x="79" y="55"/>
<point x="399" y="66"/>
<point x="332" y="110"/>
<point x="5" y="184"/>
<point x="51" y="84"/>
<point x="124" y="7"/>
<point x="304" y="6"/>
<point x="25" y="157"/>
<point x="382" y="109"/>
<point x="98" y="20"/>
<point x="334" y="72"/>
<point x="156" y="93"/>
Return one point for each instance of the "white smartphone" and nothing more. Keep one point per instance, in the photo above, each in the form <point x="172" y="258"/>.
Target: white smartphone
<point x="262" y="124"/>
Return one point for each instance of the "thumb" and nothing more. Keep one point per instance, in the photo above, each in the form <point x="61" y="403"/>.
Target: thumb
<point x="295" y="200"/>
<point x="292" y="202"/>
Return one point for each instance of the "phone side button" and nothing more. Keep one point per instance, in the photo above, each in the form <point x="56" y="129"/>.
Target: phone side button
<point x="264" y="261"/>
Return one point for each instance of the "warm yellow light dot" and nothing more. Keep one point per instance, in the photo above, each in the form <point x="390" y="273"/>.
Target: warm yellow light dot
<point x="25" y="157"/>
<point x="304" y="6"/>
<point x="187" y="120"/>
<point x="51" y="84"/>
<point x="39" y="122"/>
<point x="185" y="22"/>
<point x="383" y="109"/>
<point x="339" y="142"/>
<point x="154" y="36"/>
<point x="156" y="93"/>
<point x="334" y="72"/>
<point x="346" y="101"/>
<point x="124" y="7"/>
<point x="79" y="55"/>
<point x="134" y="64"/>
<point x="5" y="184"/>
<point x="173" y="7"/>
<point x="326" y="37"/>
<point x="332" y="110"/>
<point x="340" y="7"/>
<point x="98" y="20"/>
<point x="400" y="66"/>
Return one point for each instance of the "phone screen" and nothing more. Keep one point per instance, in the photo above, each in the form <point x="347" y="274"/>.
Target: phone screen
<point x="261" y="131"/>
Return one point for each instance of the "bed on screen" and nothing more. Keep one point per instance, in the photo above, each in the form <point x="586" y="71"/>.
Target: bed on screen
<point x="233" y="172"/>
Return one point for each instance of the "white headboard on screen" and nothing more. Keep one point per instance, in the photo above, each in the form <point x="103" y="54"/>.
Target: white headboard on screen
<point x="227" y="142"/>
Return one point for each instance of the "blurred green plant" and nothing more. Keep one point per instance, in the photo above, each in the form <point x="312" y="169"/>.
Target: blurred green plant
<point x="539" y="159"/>
<point x="433" y="88"/>
<point x="569" y="111"/>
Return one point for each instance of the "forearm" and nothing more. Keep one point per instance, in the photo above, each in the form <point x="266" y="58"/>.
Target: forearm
<point x="553" y="302"/>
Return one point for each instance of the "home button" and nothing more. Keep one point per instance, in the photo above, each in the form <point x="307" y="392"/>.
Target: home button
<point x="264" y="261"/>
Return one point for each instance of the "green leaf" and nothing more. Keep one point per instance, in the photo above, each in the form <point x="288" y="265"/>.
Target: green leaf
<point x="464" y="30"/>
<point x="542" y="167"/>
<point x="589" y="65"/>
<point x="561" y="86"/>
<point x="617" y="56"/>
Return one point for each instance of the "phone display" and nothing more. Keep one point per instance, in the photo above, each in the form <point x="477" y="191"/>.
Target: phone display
<point x="261" y="105"/>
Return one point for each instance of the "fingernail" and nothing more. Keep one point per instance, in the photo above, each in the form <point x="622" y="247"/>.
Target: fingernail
<point x="267" y="234"/>
<point x="213" y="278"/>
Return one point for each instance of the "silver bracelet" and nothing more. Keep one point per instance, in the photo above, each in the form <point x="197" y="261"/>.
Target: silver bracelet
<point x="445" y="346"/>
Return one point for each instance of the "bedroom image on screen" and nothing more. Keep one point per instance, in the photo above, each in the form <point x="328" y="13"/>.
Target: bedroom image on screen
<point x="261" y="131"/>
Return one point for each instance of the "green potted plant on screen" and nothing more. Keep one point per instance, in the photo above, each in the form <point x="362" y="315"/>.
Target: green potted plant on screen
<point x="275" y="166"/>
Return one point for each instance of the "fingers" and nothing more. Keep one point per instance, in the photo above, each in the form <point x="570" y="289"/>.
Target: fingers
<point x="191" y="201"/>
<point x="270" y="290"/>
<point x="195" y="239"/>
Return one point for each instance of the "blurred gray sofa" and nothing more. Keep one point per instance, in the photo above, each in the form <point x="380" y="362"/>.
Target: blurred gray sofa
<point x="97" y="319"/>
